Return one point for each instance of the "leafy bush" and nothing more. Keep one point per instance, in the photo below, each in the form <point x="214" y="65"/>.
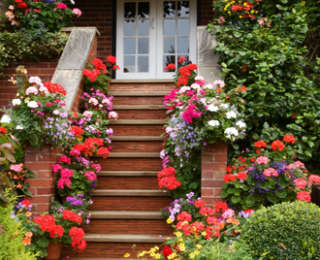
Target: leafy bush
<point x="11" y="236"/>
<point x="15" y="47"/>
<point x="267" y="53"/>
<point x="288" y="231"/>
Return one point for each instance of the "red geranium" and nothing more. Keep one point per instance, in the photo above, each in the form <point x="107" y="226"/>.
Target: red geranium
<point x="260" y="144"/>
<point x="167" y="179"/>
<point x="55" y="88"/>
<point x="277" y="145"/>
<point x="206" y="211"/>
<point x="184" y="216"/>
<point x="99" y="64"/>
<point x="111" y="59"/>
<point x="304" y="196"/>
<point x="199" y="203"/>
<point x="182" y="59"/>
<point x="91" y="74"/>
<point x="182" y="80"/>
<point x="166" y="251"/>
<point x="103" y="152"/>
<point x="77" y="234"/>
<point x="229" y="177"/>
<point x="289" y="139"/>
<point x="242" y="175"/>
<point x="71" y="216"/>
<point x="221" y="206"/>
<point x="3" y="130"/>
<point x="21" y="4"/>
<point x="26" y="203"/>
<point x="170" y="66"/>
<point x="76" y="130"/>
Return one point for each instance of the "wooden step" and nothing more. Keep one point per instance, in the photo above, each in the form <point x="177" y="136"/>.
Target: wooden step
<point x="131" y="183"/>
<point x="136" y="138"/>
<point x="138" y="93"/>
<point x="134" y="155"/>
<point x="142" y="114"/>
<point x="144" y="87"/>
<point x="131" y="164"/>
<point x="137" y="100"/>
<point x="125" y="238"/>
<point x="130" y="193"/>
<point x="138" y="122"/>
<point x="129" y="226"/>
<point x="137" y="130"/>
<point x="138" y="107"/>
<point x="90" y="258"/>
<point x="130" y="203"/>
<point x="113" y="214"/>
<point x="128" y="173"/>
<point x="137" y="146"/>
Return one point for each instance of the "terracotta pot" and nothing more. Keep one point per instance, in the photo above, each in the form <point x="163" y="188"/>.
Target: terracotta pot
<point x="54" y="251"/>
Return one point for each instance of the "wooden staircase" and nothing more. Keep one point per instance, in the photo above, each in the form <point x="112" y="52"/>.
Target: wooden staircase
<point x="126" y="206"/>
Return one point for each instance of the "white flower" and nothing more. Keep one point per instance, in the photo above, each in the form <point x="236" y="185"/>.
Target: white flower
<point x="163" y="154"/>
<point x="184" y="89"/>
<point x="44" y="89"/>
<point x="72" y="2"/>
<point x="209" y="86"/>
<point x="213" y="108"/>
<point x="231" y="132"/>
<point x="93" y="101"/>
<point x="241" y="124"/>
<point x="19" y="127"/>
<point x="16" y="102"/>
<point x="219" y="83"/>
<point x="213" y="123"/>
<point x="231" y="114"/>
<point x="169" y="129"/>
<point x="32" y="90"/>
<point x="87" y="114"/>
<point x="5" y="119"/>
<point x="35" y="80"/>
<point x="56" y="112"/>
<point x="203" y="101"/>
<point x="32" y="104"/>
<point x="199" y="78"/>
<point x="106" y="101"/>
<point x="225" y="106"/>
<point x="195" y="86"/>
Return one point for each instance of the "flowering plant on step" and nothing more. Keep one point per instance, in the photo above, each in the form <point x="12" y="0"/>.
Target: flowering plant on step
<point x="266" y="175"/>
<point x="60" y="226"/>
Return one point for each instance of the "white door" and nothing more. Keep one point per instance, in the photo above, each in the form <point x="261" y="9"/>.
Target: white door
<point x="152" y="34"/>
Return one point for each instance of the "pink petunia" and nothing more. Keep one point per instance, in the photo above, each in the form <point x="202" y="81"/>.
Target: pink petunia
<point x="191" y="113"/>
<point x="91" y="176"/>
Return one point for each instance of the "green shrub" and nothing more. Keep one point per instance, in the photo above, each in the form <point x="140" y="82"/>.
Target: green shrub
<point x="289" y="231"/>
<point x="15" y="47"/>
<point x="11" y="236"/>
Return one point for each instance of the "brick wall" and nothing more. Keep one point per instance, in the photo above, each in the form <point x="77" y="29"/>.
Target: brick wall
<point x="100" y="13"/>
<point x="213" y="168"/>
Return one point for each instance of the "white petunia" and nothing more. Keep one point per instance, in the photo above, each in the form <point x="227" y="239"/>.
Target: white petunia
<point x="16" y="102"/>
<point x="231" y="132"/>
<point x="195" y="86"/>
<point x="184" y="89"/>
<point x="5" y="119"/>
<point x="231" y="114"/>
<point x="224" y="106"/>
<point x="241" y="124"/>
<point x="213" y="108"/>
<point x="199" y="78"/>
<point x="19" y="127"/>
<point x="32" y="104"/>
<point x="44" y="90"/>
<point x="56" y="112"/>
<point x="213" y="123"/>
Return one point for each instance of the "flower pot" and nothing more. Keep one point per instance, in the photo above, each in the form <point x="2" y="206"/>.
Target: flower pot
<point x="54" y="251"/>
<point x="315" y="195"/>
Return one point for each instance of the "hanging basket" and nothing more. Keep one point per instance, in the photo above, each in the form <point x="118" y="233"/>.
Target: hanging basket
<point x="54" y="251"/>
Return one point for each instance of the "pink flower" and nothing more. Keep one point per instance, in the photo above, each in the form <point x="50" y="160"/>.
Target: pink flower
<point x="313" y="179"/>
<point x="304" y="196"/>
<point x="96" y="166"/>
<point x="56" y="168"/>
<point x="75" y="152"/>
<point x="295" y="165"/>
<point x="64" y="159"/>
<point x="221" y="20"/>
<point x="91" y="176"/>
<point x="77" y="12"/>
<point x="64" y="182"/>
<point x="262" y="160"/>
<point x="62" y="6"/>
<point x="229" y="213"/>
<point x="66" y="173"/>
<point x="191" y="113"/>
<point x="300" y="183"/>
<point x="16" y="167"/>
<point x="270" y="172"/>
<point x="113" y="115"/>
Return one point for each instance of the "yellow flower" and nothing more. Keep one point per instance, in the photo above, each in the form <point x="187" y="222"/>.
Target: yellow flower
<point x="126" y="255"/>
<point x="169" y="220"/>
<point x="192" y="255"/>
<point x="157" y="256"/>
<point x="178" y="234"/>
<point x="172" y="256"/>
<point x="182" y="247"/>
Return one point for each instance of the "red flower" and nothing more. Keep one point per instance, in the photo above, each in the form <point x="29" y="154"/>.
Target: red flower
<point x="115" y="67"/>
<point x="185" y="71"/>
<point x="206" y="211"/>
<point x="229" y="177"/>
<point x="64" y="159"/>
<point x="243" y="89"/>
<point x="71" y="216"/>
<point x="190" y="113"/>
<point x="182" y="59"/>
<point x="99" y="64"/>
<point x="76" y="130"/>
<point x="300" y="183"/>
<point x="199" y="203"/>
<point x="3" y="130"/>
<point x="304" y="196"/>
<point x="170" y="66"/>
<point x="76" y="233"/>
<point x="277" y="145"/>
<point x="167" y="179"/>
<point x="260" y="144"/>
<point x="91" y="74"/>
<point x="166" y="251"/>
<point x="103" y="152"/>
<point x="236" y="8"/>
<point x="242" y="175"/>
<point x="192" y="66"/>
<point x="111" y="59"/>
<point x="56" y="231"/>
<point x="55" y="88"/>
<point x="184" y="216"/>
<point x="221" y="206"/>
<point x="26" y="203"/>
<point x="289" y="139"/>
<point x="313" y="179"/>
<point x="21" y="4"/>
<point x="212" y="220"/>
<point x="182" y="80"/>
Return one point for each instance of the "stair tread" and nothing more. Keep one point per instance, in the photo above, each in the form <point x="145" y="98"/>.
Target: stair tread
<point x="104" y="258"/>
<point x="138" y="122"/>
<point x="138" y="107"/>
<point x="120" y="214"/>
<point x="125" y="238"/>
<point x="130" y="193"/>
<point x="137" y="138"/>
<point x="128" y="173"/>
<point x="150" y="93"/>
<point x="134" y="155"/>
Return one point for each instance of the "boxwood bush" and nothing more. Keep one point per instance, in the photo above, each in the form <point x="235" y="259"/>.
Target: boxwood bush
<point x="287" y="231"/>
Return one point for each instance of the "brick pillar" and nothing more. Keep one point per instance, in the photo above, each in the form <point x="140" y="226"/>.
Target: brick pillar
<point x="40" y="161"/>
<point x="213" y="168"/>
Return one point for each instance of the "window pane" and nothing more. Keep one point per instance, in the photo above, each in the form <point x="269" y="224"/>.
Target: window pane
<point x="143" y="45"/>
<point x="183" y="45"/>
<point x="183" y="9"/>
<point x="129" y="64"/>
<point x="169" y="9"/>
<point x="143" y="10"/>
<point x="169" y="45"/>
<point x="130" y="10"/>
<point x="129" y="45"/>
<point x="183" y="27"/>
<point x="169" y="27"/>
<point x="143" y="64"/>
<point x="143" y="27"/>
<point x="129" y="27"/>
<point x="168" y="59"/>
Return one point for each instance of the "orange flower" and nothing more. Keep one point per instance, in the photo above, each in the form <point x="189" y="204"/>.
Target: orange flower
<point x="28" y="214"/>
<point x="27" y="241"/>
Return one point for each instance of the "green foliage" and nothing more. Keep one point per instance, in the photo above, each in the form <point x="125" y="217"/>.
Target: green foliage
<point x="11" y="236"/>
<point x="287" y="231"/>
<point x="15" y="47"/>
<point x="271" y="60"/>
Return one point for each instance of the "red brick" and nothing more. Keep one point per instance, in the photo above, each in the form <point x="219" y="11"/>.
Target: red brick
<point x="41" y="199"/>
<point x="41" y="182"/>
<point x="43" y="191"/>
